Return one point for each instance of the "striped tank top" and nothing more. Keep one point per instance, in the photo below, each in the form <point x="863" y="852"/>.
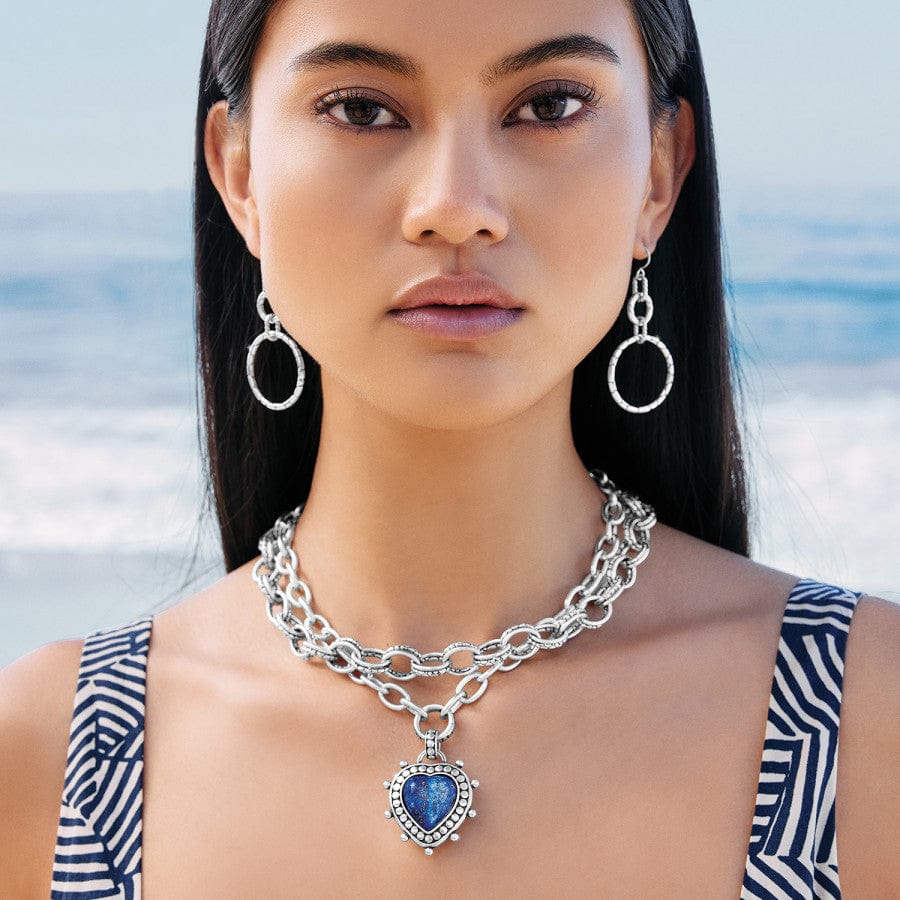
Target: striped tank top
<point x="792" y="853"/>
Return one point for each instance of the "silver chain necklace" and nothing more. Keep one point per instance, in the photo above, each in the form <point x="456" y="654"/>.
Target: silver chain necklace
<point x="431" y="798"/>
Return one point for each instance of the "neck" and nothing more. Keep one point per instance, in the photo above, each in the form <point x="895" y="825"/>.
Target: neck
<point x="423" y="537"/>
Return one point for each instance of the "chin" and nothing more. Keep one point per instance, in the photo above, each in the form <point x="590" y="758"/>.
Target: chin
<point x="467" y="404"/>
<point x="455" y="391"/>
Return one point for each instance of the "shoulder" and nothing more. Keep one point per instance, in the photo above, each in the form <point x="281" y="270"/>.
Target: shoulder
<point x="37" y="693"/>
<point x="705" y="584"/>
<point x="717" y="587"/>
<point x="868" y="794"/>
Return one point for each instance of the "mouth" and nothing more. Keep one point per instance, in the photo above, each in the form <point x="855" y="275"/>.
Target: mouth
<point x="457" y="307"/>
<point x="457" y="322"/>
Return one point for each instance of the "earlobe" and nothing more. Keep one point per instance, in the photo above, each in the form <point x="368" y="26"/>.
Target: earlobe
<point x="228" y="163"/>
<point x="674" y="152"/>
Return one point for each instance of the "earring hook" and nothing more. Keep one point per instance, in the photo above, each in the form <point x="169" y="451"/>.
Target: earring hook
<point x="646" y="262"/>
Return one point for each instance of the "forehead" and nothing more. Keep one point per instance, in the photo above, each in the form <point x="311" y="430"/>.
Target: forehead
<point x="436" y="39"/>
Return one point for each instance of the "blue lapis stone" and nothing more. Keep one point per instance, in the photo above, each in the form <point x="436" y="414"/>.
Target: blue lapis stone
<point x="429" y="799"/>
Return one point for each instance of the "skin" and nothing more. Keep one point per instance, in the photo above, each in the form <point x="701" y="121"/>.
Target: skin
<point x="642" y="741"/>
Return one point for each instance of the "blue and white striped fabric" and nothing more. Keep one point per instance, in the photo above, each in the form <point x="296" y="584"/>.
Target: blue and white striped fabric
<point x="793" y="851"/>
<point x="98" y="843"/>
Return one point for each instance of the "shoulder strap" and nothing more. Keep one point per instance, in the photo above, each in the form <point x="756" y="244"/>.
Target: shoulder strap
<point x="98" y="845"/>
<point x="792" y="851"/>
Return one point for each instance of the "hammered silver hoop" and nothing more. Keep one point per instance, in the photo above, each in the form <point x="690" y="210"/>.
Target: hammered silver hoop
<point x="670" y="373"/>
<point x="273" y="332"/>
<point x="640" y="294"/>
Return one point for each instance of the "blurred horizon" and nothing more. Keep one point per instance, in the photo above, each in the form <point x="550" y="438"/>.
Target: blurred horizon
<point x="99" y="430"/>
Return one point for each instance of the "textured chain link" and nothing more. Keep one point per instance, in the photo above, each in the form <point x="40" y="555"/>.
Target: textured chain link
<point x="623" y="546"/>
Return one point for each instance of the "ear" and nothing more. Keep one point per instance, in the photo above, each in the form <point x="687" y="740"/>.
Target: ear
<point x="674" y="151"/>
<point x="228" y="162"/>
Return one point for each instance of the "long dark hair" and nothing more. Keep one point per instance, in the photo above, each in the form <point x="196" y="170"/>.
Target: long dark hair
<point x="684" y="457"/>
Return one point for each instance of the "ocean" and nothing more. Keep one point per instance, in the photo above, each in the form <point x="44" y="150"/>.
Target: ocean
<point x="100" y="481"/>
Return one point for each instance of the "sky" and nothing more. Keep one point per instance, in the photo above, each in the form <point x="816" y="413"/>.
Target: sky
<point x="100" y="94"/>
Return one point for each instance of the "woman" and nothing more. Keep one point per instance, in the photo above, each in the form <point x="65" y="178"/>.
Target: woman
<point x="447" y="207"/>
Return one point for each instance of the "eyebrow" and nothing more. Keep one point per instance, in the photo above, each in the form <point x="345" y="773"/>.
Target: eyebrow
<point x="333" y="53"/>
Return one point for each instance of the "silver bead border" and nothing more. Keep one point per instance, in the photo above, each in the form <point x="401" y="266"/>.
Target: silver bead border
<point x="442" y="831"/>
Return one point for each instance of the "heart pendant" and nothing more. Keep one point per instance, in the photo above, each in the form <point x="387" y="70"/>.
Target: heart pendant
<point x="429" y="800"/>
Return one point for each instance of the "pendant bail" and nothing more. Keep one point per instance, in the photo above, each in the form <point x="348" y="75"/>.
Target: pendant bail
<point x="432" y="744"/>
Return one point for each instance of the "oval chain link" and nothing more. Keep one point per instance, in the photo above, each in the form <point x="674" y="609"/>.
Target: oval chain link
<point x="623" y="546"/>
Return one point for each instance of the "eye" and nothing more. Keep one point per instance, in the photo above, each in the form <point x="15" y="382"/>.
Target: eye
<point x="361" y="111"/>
<point x="557" y="104"/>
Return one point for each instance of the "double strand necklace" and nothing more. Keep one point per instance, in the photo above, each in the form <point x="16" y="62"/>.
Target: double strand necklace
<point x="431" y="798"/>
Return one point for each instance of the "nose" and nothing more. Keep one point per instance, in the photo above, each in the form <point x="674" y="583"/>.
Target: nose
<point x="455" y="194"/>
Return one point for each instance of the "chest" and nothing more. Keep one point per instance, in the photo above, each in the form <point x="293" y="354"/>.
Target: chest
<point x="623" y="782"/>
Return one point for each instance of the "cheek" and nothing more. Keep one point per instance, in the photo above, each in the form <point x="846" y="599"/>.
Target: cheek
<point x="584" y="221"/>
<point x="581" y="226"/>
<point x="319" y="228"/>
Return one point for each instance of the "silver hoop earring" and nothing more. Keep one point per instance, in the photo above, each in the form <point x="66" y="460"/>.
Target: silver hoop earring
<point x="273" y="332"/>
<point x="640" y="294"/>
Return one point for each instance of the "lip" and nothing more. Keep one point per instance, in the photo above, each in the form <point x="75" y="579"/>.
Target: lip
<point x="457" y="307"/>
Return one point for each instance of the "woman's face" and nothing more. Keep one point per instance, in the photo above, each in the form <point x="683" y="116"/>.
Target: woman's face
<point x="363" y="177"/>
